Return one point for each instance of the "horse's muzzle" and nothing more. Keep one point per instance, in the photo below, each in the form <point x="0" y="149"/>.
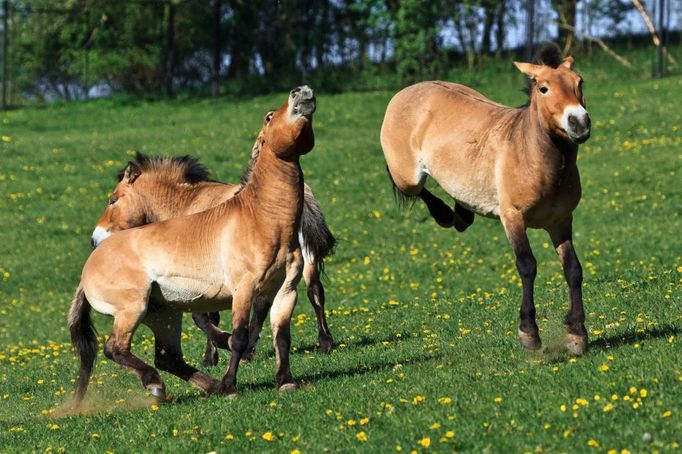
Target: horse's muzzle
<point x="579" y="128"/>
<point x="302" y="100"/>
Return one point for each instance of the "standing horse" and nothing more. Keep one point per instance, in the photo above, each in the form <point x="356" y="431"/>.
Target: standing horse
<point x="515" y="164"/>
<point x="152" y="189"/>
<point x="218" y="259"/>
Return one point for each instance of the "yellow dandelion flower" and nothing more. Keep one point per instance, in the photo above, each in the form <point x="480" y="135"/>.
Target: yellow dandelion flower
<point x="295" y="451"/>
<point x="666" y="413"/>
<point x="267" y="436"/>
<point x="154" y="407"/>
<point x="449" y="434"/>
<point x="351" y="422"/>
<point x="592" y="443"/>
<point x="643" y="393"/>
<point x="608" y="408"/>
<point x="445" y="400"/>
<point x="361" y="436"/>
<point x="425" y="442"/>
<point x="364" y="421"/>
<point x="604" y="367"/>
<point x="498" y="399"/>
<point x="435" y="425"/>
<point x="227" y="437"/>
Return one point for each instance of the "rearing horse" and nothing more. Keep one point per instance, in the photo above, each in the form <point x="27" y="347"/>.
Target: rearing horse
<point x="515" y="164"/>
<point x="221" y="258"/>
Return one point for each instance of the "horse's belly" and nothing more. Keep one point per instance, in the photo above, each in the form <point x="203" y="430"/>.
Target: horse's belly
<point x="194" y="295"/>
<point x="475" y="197"/>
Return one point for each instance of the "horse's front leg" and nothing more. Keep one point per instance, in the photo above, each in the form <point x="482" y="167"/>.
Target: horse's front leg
<point x="280" y="320"/>
<point x="526" y="265"/>
<point x="241" y="308"/>
<point x="562" y="238"/>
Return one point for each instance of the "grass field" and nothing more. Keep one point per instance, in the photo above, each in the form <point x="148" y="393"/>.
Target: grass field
<point x="424" y="319"/>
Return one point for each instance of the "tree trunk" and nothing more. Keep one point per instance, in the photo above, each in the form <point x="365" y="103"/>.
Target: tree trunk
<point x="170" y="49"/>
<point x="215" y="68"/>
<point x="567" y="15"/>
<point x="489" y="8"/>
<point x="499" y="33"/>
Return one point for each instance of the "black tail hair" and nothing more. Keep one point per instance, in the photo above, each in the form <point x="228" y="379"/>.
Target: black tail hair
<point x="84" y="340"/>
<point x="403" y="200"/>
<point x="318" y="239"/>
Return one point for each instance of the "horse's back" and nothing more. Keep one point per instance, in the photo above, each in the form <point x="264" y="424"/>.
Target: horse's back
<point x="437" y="128"/>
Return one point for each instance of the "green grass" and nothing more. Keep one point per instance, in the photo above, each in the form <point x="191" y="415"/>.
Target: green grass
<point x="424" y="318"/>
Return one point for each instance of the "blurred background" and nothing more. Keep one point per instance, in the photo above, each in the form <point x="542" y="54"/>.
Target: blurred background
<point x="77" y="49"/>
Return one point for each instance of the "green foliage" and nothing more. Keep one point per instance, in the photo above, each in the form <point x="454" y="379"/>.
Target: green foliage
<point x="415" y="40"/>
<point x="424" y="318"/>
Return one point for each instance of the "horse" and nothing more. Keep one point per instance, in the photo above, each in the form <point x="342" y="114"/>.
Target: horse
<point x="152" y="189"/>
<point x="221" y="258"/>
<point x="517" y="165"/>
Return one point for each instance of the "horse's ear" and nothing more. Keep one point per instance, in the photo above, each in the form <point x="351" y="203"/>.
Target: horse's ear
<point x="567" y="63"/>
<point x="528" y="69"/>
<point x="131" y="172"/>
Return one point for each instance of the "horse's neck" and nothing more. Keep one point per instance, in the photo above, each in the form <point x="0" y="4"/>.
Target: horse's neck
<point x="274" y="189"/>
<point x="171" y="200"/>
<point x="540" y="148"/>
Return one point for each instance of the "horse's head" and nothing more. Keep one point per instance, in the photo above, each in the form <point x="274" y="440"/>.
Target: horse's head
<point x="556" y="92"/>
<point x="126" y="207"/>
<point x="288" y="131"/>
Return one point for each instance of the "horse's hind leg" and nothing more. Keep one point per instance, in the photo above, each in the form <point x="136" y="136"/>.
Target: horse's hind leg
<point x="166" y="326"/>
<point x="463" y="217"/>
<point x="215" y="338"/>
<point x="460" y="218"/>
<point x="442" y="213"/>
<point x="261" y="306"/>
<point x="576" y="336"/>
<point x="311" y="275"/>
<point x="117" y="349"/>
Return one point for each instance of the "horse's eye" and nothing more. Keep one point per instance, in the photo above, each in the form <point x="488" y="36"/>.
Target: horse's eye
<point x="544" y="90"/>
<point x="268" y="117"/>
<point x="113" y="200"/>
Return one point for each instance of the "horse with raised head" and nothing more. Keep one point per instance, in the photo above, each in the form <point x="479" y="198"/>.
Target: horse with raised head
<point x="152" y="189"/>
<point x="514" y="164"/>
<point x="221" y="258"/>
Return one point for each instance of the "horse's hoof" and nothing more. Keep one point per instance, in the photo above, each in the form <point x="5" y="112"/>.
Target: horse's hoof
<point x="210" y="359"/>
<point x="576" y="344"/>
<point x="286" y="387"/>
<point x="326" y="345"/>
<point x="159" y="393"/>
<point x="247" y="357"/>
<point x="223" y="390"/>
<point x="530" y="341"/>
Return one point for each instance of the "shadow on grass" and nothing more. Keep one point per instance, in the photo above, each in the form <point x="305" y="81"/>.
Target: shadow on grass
<point x="633" y="337"/>
<point x="361" y="369"/>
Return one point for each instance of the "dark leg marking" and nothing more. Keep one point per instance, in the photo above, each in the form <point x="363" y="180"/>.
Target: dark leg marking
<point x="463" y="217"/>
<point x="261" y="306"/>
<point x="316" y="296"/>
<point x="442" y="213"/>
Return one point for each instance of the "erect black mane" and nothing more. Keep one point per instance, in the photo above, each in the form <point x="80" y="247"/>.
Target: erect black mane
<point x="191" y="170"/>
<point x="548" y="55"/>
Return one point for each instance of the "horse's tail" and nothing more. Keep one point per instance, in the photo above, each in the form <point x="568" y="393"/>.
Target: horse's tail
<point x="84" y="340"/>
<point x="317" y="241"/>
<point x="403" y="200"/>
